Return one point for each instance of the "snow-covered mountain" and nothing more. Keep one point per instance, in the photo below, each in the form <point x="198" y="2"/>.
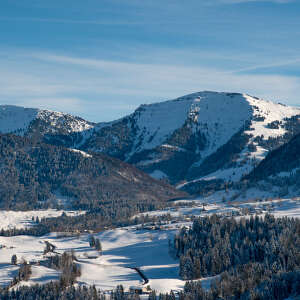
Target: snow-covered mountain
<point x="205" y="136"/>
<point x="43" y="124"/>
<point x="201" y="141"/>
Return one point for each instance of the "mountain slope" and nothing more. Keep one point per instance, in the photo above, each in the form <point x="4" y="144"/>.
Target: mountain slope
<point x="203" y="139"/>
<point x="35" y="174"/>
<point x="283" y="162"/>
<point x="203" y="136"/>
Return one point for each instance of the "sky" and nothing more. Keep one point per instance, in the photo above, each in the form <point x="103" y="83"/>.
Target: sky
<point x="101" y="59"/>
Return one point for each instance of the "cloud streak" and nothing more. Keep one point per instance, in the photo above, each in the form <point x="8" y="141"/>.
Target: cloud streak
<point x="114" y="88"/>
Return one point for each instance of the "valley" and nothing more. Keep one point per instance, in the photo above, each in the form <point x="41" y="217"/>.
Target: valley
<point x="145" y="246"/>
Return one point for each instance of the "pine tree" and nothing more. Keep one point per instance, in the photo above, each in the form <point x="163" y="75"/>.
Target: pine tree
<point x="14" y="259"/>
<point x="98" y="245"/>
<point x="92" y="241"/>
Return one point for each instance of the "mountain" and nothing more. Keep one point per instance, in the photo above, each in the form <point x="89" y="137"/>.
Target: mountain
<point x="199" y="142"/>
<point x="44" y="125"/>
<point x="205" y="138"/>
<point x="34" y="174"/>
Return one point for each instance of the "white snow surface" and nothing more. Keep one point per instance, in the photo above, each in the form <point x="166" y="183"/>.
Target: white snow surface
<point x="157" y="174"/>
<point x="122" y="249"/>
<point x="83" y="153"/>
<point x="66" y="121"/>
<point x="271" y="112"/>
<point x="216" y="115"/>
<point x="22" y="219"/>
<point x="16" y="119"/>
<point x="125" y="248"/>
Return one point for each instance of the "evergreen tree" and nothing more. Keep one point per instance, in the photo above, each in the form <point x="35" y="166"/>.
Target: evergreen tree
<point x="14" y="259"/>
<point x="98" y="245"/>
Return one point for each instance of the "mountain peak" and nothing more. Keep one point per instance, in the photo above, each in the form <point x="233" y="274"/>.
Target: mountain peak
<point x="196" y="135"/>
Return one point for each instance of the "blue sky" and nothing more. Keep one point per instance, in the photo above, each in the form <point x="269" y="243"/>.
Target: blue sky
<point x="100" y="59"/>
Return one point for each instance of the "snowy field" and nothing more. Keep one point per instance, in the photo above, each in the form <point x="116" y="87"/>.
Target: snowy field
<point x="22" y="219"/>
<point x="289" y="207"/>
<point x="124" y="248"/>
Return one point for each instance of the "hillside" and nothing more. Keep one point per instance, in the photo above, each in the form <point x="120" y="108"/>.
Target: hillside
<point x="201" y="142"/>
<point x="35" y="174"/>
<point x="283" y="162"/>
<point x="205" y="137"/>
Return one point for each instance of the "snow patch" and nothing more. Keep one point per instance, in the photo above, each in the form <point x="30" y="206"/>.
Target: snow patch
<point x="157" y="174"/>
<point x="23" y="219"/>
<point x="84" y="154"/>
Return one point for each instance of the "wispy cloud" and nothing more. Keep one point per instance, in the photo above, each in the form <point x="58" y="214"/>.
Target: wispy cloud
<point x="114" y="88"/>
<point x="274" y="64"/>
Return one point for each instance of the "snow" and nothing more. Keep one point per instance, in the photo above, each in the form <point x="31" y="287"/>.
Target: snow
<point x="271" y="112"/>
<point x="194" y="210"/>
<point x="83" y="153"/>
<point x="16" y="119"/>
<point x="125" y="248"/>
<point x="231" y="174"/>
<point x="23" y="219"/>
<point x="179" y="149"/>
<point x="221" y="203"/>
<point x="7" y="273"/>
<point x="287" y="174"/>
<point x="65" y="121"/>
<point x="278" y="207"/>
<point x="217" y="117"/>
<point x="122" y="249"/>
<point x="157" y="174"/>
<point x="131" y="248"/>
<point x="40" y="275"/>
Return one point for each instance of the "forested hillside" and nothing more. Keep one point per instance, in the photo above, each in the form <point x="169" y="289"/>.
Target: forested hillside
<point x="284" y="161"/>
<point x="256" y="258"/>
<point x="34" y="174"/>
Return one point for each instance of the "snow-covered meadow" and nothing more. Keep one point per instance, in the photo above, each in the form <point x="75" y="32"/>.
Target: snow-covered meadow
<point x="122" y="249"/>
<point x="146" y="248"/>
<point x="23" y="219"/>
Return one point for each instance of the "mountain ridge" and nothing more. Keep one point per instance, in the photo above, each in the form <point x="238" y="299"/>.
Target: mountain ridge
<point x="207" y="122"/>
<point x="203" y="137"/>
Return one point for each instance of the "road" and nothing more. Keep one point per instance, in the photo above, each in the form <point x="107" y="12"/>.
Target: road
<point x="138" y="270"/>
